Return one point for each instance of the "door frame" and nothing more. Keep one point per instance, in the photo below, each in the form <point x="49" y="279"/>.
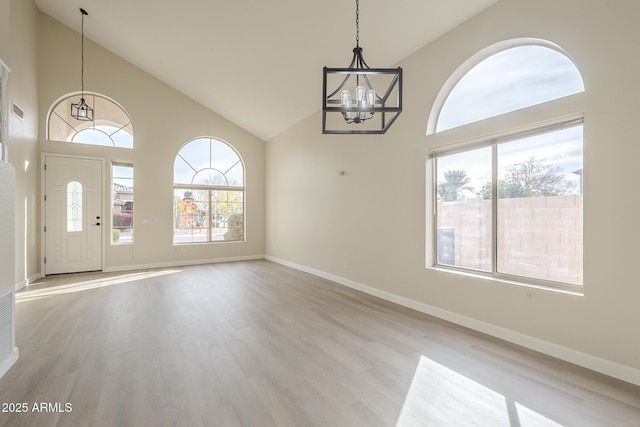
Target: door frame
<point x="43" y="218"/>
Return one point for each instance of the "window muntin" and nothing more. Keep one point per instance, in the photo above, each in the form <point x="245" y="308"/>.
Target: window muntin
<point x="110" y="127"/>
<point x="122" y="204"/>
<point x="208" y="193"/>
<point x="208" y="215"/>
<point x="512" y="79"/>
<point x="208" y="161"/>
<point x="517" y="210"/>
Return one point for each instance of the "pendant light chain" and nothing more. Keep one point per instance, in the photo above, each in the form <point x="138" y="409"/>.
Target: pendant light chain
<point x="82" y="111"/>
<point x="357" y="23"/>
<point x="82" y="53"/>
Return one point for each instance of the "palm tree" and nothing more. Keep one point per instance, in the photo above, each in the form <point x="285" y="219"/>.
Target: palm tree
<point x="455" y="182"/>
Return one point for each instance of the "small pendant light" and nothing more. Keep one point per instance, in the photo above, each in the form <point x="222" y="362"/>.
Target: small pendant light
<point x="81" y="110"/>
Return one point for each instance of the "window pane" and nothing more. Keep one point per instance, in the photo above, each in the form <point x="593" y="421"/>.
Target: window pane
<point x="463" y="216"/>
<point x="92" y="137"/>
<point x="540" y="206"/>
<point x="228" y="215"/>
<point x="208" y="161"/>
<point x="196" y="154"/>
<point x="208" y="215"/>
<point x="74" y="206"/>
<point x="122" y="207"/>
<point x="191" y="216"/>
<point x="509" y="80"/>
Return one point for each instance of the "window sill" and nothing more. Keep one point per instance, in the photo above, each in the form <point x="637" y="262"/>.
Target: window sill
<point x="574" y="290"/>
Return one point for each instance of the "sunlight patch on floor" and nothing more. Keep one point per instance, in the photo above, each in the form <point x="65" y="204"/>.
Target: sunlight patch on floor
<point x="85" y="285"/>
<point x="439" y="396"/>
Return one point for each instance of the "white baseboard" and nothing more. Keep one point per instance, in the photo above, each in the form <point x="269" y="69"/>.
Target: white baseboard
<point x="27" y="281"/>
<point x="33" y="278"/>
<point x="181" y="263"/>
<point x="8" y="361"/>
<point x="607" y="367"/>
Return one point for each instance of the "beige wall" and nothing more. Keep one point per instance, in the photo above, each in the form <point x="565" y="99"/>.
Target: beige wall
<point x="163" y="121"/>
<point x="19" y="50"/>
<point x="368" y="226"/>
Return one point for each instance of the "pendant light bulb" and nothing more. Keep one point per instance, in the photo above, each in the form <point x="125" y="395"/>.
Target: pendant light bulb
<point x="371" y="98"/>
<point x="346" y="102"/>
<point x="360" y="101"/>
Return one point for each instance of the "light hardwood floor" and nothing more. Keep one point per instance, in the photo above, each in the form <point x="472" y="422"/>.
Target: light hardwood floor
<point x="259" y="344"/>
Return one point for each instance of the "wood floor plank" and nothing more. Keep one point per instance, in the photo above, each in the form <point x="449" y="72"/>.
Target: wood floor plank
<point x="259" y="344"/>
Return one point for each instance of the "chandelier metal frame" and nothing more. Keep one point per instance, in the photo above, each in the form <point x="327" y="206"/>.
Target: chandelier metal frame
<point x="368" y="102"/>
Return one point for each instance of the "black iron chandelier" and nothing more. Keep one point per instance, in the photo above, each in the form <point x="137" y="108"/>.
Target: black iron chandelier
<point x="355" y="106"/>
<point x="81" y="110"/>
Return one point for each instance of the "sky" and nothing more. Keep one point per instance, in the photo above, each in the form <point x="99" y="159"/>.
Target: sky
<point x="509" y="80"/>
<point x="563" y="148"/>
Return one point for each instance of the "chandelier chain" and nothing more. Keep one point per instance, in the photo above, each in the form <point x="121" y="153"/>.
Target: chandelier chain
<point x="357" y="23"/>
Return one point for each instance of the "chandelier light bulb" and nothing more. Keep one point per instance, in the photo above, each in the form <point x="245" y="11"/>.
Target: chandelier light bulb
<point x="371" y="98"/>
<point x="360" y="101"/>
<point x="346" y="102"/>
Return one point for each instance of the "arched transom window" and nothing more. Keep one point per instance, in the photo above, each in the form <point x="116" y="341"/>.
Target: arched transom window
<point x="509" y="80"/>
<point x="111" y="125"/>
<point x="208" y="193"/>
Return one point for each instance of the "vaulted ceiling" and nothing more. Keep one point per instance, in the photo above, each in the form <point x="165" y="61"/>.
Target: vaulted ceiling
<point x="259" y="63"/>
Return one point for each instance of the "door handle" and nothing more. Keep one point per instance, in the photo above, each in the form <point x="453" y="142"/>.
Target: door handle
<point x="97" y="223"/>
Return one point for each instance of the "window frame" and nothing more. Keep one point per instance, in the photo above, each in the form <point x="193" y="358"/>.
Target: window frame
<point x="493" y="142"/>
<point x="551" y="115"/>
<point x="210" y="189"/>
<point x="128" y="165"/>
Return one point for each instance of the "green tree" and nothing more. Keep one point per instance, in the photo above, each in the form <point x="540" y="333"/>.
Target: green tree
<point x="539" y="178"/>
<point x="532" y="178"/>
<point x="236" y="228"/>
<point x="455" y="181"/>
<point x="506" y="190"/>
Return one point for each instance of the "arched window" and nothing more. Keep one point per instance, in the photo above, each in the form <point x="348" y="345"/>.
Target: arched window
<point x="208" y="176"/>
<point x="508" y="175"/>
<point x="510" y="79"/>
<point x="111" y="125"/>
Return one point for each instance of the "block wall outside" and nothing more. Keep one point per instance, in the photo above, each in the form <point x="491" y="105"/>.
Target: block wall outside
<point x="538" y="237"/>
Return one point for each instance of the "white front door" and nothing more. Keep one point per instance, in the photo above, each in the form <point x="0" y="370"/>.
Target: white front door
<point x="73" y="214"/>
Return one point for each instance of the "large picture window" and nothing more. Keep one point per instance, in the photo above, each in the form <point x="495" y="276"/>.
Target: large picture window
<point x="509" y="203"/>
<point x="208" y="193"/>
<point x="514" y="207"/>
